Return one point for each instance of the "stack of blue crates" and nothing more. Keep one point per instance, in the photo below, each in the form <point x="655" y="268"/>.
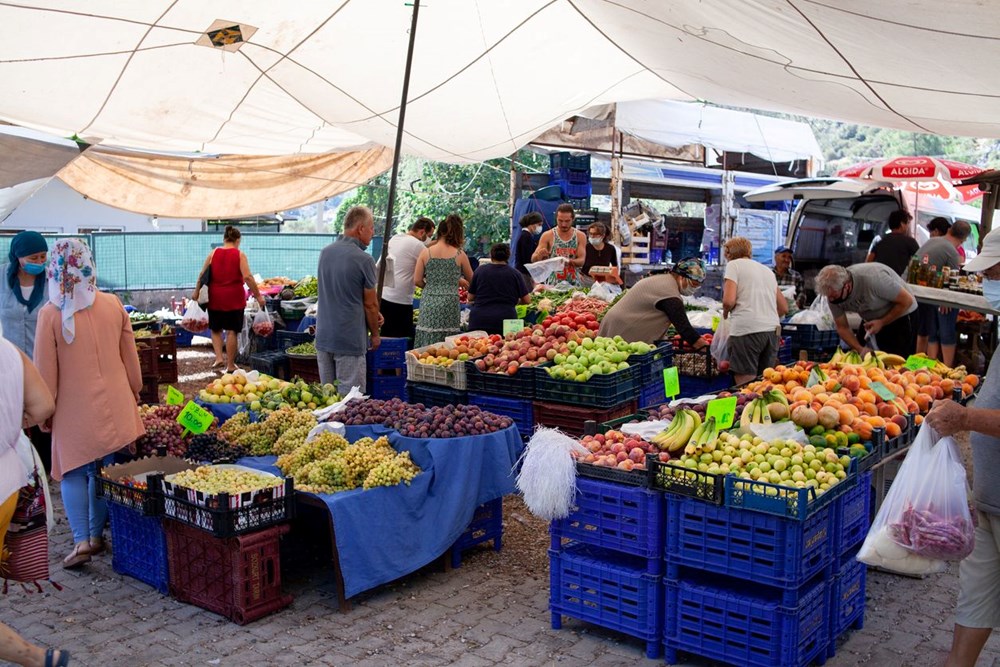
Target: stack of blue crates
<point x="847" y="591"/>
<point x="386" y="369"/>
<point x="606" y="562"/>
<point x="486" y="526"/>
<point x="572" y="174"/>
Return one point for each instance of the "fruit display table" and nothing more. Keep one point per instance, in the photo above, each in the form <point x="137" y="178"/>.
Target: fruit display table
<point x="381" y="534"/>
<point x="951" y="298"/>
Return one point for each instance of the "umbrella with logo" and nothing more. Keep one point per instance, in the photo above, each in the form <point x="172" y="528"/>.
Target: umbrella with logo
<point x="920" y="174"/>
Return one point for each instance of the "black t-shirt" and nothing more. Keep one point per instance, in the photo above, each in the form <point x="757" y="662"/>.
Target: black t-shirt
<point x="606" y="256"/>
<point x="526" y="244"/>
<point x="895" y="251"/>
<point x="497" y="289"/>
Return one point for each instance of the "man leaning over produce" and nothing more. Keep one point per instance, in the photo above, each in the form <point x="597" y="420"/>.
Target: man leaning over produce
<point x="876" y="293"/>
<point x="348" y="304"/>
<point x="978" y="610"/>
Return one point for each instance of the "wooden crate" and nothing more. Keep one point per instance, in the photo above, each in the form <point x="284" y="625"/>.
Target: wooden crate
<point x="637" y="252"/>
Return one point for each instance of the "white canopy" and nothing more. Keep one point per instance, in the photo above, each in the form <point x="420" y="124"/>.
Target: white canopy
<point x="488" y="75"/>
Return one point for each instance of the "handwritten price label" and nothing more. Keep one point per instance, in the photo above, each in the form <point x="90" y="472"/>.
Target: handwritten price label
<point x="512" y="326"/>
<point x="174" y="397"/>
<point x="883" y="391"/>
<point x="195" y="418"/>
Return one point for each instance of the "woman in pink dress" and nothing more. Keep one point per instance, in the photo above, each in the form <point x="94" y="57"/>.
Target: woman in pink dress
<point x="85" y="352"/>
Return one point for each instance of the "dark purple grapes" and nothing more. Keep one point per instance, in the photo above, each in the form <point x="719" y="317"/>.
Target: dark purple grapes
<point x="417" y="421"/>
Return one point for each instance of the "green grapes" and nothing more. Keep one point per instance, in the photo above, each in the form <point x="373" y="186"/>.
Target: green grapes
<point x="213" y="480"/>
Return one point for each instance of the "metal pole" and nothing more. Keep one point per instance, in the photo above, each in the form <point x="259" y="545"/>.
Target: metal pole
<point x="387" y="232"/>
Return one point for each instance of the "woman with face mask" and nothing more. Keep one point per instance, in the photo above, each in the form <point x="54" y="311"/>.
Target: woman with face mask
<point x="600" y="252"/>
<point x="527" y="241"/>
<point x="25" y="290"/>
<point x="646" y="311"/>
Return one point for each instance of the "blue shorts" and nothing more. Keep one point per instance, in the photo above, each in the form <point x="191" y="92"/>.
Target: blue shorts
<point x="937" y="327"/>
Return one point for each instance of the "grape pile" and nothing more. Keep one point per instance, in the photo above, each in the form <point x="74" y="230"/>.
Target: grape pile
<point x="162" y="430"/>
<point x="321" y="447"/>
<point x="208" y="448"/>
<point x="213" y="480"/>
<point x="330" y="464"/>
<point x="259" y="438"/>
<point x="416" y="421"/>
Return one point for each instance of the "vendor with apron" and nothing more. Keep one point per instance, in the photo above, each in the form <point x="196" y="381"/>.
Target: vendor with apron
<point x="563" y="241"/>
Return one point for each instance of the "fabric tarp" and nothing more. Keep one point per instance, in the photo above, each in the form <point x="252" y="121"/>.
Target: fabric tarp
<point x="218" y="187"/>
<point x="28" y="160"/>
<point x="487" y="77"/>
<point x="385" y="533"/>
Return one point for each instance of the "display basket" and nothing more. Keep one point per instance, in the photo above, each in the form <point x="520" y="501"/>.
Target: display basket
<point x="616" y="475"/>
<point x="225" y="515"/>
<point x="683" y="481"/>
<point x="696" y="364"/>
<point x="810" y="336"/>
<point x="852" y="516"/>
<point x="741" y="628"/>
<point x="784" y="501"/>
<point x="519" y="385"/>
<point x="580" y="176"/>
<point x="452" y="376"/>
<point x="571" y="419"/>
<point x="522" y="411"/>
<point x="599" y="391"/>
<point x="139" y="547"/>
<point x="435" y="395"/>
<point x="148" y="358"/>
<point x="751" y="546"/>
<point x="611" y="590"/>
<point x="486" y="526"/>
<point x="612" y="516"/>
<point x="652" y="363"/>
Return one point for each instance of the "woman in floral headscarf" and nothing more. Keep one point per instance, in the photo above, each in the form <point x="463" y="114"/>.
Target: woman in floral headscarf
<point x="85" y="352"/>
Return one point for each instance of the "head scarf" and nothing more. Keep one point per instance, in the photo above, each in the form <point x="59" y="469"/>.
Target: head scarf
<point x="692" y="268"/>
<point x="72" y="281"/>
<point x="25" y="244"/>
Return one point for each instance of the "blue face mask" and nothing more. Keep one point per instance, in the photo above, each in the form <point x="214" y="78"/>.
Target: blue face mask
<point x="537" y="232"/>
<point x="991" y="291"/>
<point x="33" y="269"/>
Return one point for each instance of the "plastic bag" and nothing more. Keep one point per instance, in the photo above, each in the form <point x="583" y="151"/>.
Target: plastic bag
<point x="194" y="319"/>
<point x="605" y="291"/>
<point x="331" y="427"/>
<point x="925" y="519"/>
<point x="203" y="295"/>
<point x="540" y="271"/>
<point x="324" y="414"/>
<point x="262" y="323"/>
<point x="720" y="342"/>
<point x="818" y="315"/>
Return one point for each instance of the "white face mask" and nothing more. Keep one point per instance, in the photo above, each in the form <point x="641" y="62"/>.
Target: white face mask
<point x="687" y="289"/>
<point x="991" y="292"/>
<point x="596" y="240"/>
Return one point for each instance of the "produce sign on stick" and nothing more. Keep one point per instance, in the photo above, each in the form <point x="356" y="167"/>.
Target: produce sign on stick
<point x="883" y="391"/>
<point x="671" y="382"/>
<point x="715" y="323"/>
<point x="723" y="410"/>
<point x="814" y="378"/>
<point x="512" y="326"/>
<point x="915" y="363"/>
<point x="174" y="397"/>
<point x="195" y="418"/>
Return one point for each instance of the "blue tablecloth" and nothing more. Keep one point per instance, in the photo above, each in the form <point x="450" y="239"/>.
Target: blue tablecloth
<point x="226" y="410"/>
<point x="388" y="532"/>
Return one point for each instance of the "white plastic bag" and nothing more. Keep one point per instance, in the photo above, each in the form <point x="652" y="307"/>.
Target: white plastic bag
<point x="720" y="342"/>
<point x="203" y="295"/>
<point x="262" y="323"/>
<point x="540" y="271"/>
<point x="324" y="414"/>
<point x="194" y="319"/>
<point x="925" y="519"/>
<point x="331" y="427"/>
<point x="605" y="291"/>
<point x="818" y="315"/>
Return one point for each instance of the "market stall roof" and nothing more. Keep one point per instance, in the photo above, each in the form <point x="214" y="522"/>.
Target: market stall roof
<point x="259" y="77"/>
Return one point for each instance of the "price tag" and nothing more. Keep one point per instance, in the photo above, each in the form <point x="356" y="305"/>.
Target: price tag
<point x="512" y="326"/>
<point x="174" y="397"/>
<point x="914" y="363"/>
<point x="883" y="391"/>
<point x="813" y="378"/>
<point x="724" y="411"/>
<point x="521" y="310"/>
<point x="195" y="418"/>
<point x="715" y="322"/>
<point x="671" y="382"/>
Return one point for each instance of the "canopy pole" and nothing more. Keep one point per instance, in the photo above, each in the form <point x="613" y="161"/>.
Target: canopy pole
<point x="990" y="204"/>
<point x="387" y="232"/>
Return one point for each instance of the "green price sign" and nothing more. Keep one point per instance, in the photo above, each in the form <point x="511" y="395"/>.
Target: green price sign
<point x="724" y="411"/>
<point x="671" y="382"/>
<point x="195" y="418"/>
<point x="914" y="363"/>
<point x="813" y="378"/>
<point x="715" y="322"/>
<point x="174" y="397"/>
<point x="883" y="391"/>
<point x="512" y="326"/>
<point x="521" y="310"/>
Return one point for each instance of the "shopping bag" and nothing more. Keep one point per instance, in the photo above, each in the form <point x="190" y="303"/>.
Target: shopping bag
<point x="720" y="342"/>
<point x="818" y="315"/>
<point x="262" y="323"/>
<point x="605" y="291"/>
<point x="206" y="277"/>
<point x="27" y="538"/>
<point x="540" y="271"/>
<point x="194" y="319"/>
<point x="924" y="520"/>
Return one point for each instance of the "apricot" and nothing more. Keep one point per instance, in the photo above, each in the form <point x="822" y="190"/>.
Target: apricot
<point x="892" y="430"/>
<point x="972" y="380"/>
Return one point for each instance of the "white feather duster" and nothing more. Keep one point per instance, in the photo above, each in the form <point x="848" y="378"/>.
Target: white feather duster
<point x="548" y="473"/>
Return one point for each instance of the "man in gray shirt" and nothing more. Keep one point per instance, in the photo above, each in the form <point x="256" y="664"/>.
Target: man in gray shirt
<point x="938" y="327"/>
<point x="879" y="295"/>
<point x="348" y="304"/>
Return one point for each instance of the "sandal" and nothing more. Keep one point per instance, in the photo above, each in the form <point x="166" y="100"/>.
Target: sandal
<point x="50" y="660"/>
<point x="77" y="556"/>
<point x="232" y="370"/>
<point x="97" y="546"/>
<point x="217" y="364"/>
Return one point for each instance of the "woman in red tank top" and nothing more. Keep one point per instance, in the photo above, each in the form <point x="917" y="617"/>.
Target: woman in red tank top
<point x="226" y="296"/>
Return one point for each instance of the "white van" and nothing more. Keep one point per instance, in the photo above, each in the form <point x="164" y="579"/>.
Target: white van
<point x="838" y="219"/>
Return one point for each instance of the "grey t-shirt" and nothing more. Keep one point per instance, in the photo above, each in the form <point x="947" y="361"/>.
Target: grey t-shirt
<point x="345" y="271"/>
<point x="939" y="252"/>
<point x="986" y="449"/>
<point x="875" y="288"/>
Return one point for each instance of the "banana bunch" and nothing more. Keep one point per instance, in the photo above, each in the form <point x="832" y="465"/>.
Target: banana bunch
<point x="890" y="360"/>
<point x="772" y="395"/>
<point x="957" y="373"/>
<point x="680" y="431"/>
<point x="703" y="439"/>
<point x="755" y="412"/>
<point x="872" y="361"/>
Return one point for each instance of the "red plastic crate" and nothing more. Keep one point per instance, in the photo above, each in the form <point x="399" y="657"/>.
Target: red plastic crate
<point x="236" y="577"/>
<point x="570" y="418"/>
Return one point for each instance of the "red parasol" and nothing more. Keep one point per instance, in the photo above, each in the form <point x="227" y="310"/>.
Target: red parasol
<point x="912" y="168"/>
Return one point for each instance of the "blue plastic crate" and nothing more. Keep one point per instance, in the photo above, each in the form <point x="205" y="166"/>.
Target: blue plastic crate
<point x="520" y="410"/>
<point x="652" y="395"/>
<point x="785" y="354"/>
<point x="745" y="629"/>
<point x="847" y="599"/>
<point x="852" y="515"/>
<point x="784" y="501"/>
<point x="391" y="354"/>
<point x="652" y="363"/>
<point x="272" y="362"/>
<point x="566" y="160"/>
<point x="384" y="387"/>
<point x="572" y="190"/>
<point x="810" y="337"/>
<point x="486" y="525"/>
<point x="692" y="387"/>
<point x="607" y="589"/>
<point x="287" y="339"/>
<point x="748" y="545"/>
<point x="139" y="547"/>
<point x="577" y="176"/>
<point x="613" y="516"/>
<point x="435" y="395"/>
<point x="600" y="391"/>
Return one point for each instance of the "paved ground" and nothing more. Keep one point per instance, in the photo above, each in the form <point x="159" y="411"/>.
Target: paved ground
<point x="491" y="611"/>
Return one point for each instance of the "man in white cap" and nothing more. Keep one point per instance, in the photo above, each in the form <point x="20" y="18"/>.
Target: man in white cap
<point x="978" y="610"/>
